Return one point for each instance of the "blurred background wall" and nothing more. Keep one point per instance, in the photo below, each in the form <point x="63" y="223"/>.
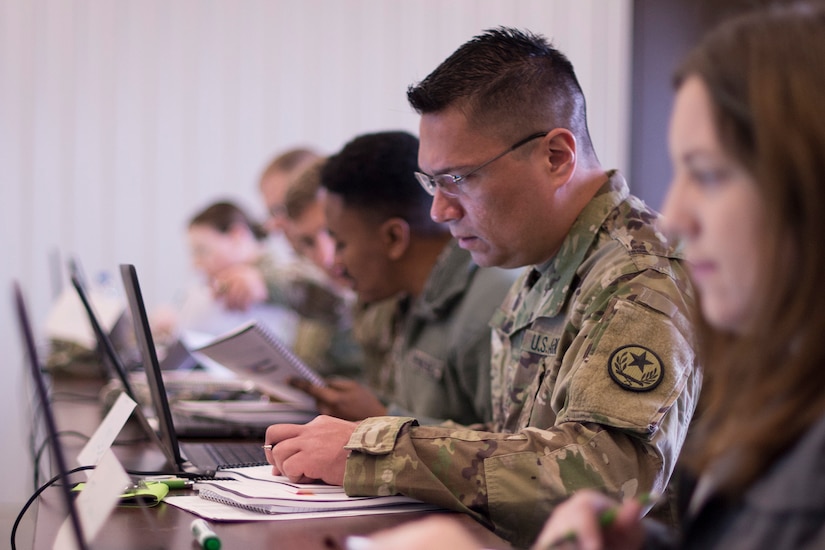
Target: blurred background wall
<point x="119" y="119"/>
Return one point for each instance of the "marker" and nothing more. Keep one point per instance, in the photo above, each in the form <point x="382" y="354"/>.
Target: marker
<point x="205" y="536"/>
<point x="177" y="483"/>
<point x="172" y="482"/>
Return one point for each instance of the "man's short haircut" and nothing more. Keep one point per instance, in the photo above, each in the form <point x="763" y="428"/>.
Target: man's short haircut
<point x="303" y="189"/>
<point x="290" y="161"/>
<point x="375" y="174"/>
<point x="509" y="80"/>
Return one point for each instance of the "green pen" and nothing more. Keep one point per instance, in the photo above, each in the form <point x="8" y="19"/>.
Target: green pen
<point x="177" y="483"/>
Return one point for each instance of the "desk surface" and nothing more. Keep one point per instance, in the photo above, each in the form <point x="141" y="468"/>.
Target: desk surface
<point x="165" y="526"/>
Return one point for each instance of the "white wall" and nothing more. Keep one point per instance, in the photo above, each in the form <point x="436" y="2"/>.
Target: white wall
<point x="119" y="119"/>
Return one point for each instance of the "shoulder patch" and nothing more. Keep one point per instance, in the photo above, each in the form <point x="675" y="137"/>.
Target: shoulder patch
<point x="635" y="368"/>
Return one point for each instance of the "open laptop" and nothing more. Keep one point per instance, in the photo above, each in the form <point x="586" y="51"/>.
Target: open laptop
<point x="197" y="423"/>
<point x="107" y="348"/>
<point x="202" y="458"/>
<point x="48" y="417"/>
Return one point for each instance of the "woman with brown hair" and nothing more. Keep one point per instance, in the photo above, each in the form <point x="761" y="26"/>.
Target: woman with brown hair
<point x="747" y="140"/>
<point x="223" y="237"/>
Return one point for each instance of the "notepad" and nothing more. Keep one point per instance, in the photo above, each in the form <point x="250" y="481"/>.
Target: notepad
<point x="263" y="474"/>
<point x="249" y="489"/>
<point x="253" y="353"/>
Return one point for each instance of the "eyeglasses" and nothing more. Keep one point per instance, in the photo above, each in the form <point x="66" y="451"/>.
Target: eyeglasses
<point x="450" y="184"/>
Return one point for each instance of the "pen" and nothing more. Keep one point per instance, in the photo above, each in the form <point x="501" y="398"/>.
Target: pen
<point x="205" y="536"/>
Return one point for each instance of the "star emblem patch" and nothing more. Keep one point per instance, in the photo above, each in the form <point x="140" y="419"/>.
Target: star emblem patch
<point x="635" y="368"/>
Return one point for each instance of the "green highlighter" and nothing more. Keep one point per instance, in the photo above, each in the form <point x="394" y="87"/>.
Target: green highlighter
<point x="141" y="494"/>
<point x="206" y="537"/>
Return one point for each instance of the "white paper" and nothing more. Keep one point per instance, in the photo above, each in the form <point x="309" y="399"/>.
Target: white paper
<point x="215" y="511"/>
<point x="96" y="501"/>
<point x="105" y="434"/>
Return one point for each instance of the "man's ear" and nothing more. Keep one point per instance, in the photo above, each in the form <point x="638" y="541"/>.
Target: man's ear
<point x="560" y="147"/>
<point x="395" y="234"/>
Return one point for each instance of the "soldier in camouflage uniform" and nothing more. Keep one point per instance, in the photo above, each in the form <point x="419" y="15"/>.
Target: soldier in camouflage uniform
<point x="387" y="245"/>
<point x="323" y="332"/>
<point x="594" y="374"/>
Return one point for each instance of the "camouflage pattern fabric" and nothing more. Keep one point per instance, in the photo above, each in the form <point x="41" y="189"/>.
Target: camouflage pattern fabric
<point x="594" y="382"/>
<point x="442" y="343"/>
<point x="324" y="337"/>
<point x="372" y="328"/>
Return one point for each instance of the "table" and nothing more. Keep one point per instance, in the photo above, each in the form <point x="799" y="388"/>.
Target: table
<point x="167" y="527"/>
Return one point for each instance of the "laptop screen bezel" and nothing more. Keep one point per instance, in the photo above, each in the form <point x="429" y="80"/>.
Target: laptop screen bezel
<point x="157" y="389"/>
<point x="48" y="415"/>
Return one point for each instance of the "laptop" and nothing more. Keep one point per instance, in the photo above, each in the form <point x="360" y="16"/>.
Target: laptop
<point x="107" y="348"/>
<point x="48" y="418"/>
<point x="198" y="422"/>
<point x="201" y="458"/>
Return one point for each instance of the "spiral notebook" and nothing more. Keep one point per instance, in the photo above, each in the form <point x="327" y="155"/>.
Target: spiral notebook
<point x="257" y="490"/>
<point x="253" y="353"/>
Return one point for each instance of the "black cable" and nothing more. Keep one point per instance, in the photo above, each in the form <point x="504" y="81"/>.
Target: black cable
<point x="52" y="481"/>
<point x="32" y="499"/>
<point x="42" y="448"/>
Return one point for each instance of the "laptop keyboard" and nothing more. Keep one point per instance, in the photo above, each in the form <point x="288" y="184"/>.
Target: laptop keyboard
<point x="236" y="455"/>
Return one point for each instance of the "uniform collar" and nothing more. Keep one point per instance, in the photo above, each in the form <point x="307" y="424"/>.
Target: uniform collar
<point x="555" y="282"/>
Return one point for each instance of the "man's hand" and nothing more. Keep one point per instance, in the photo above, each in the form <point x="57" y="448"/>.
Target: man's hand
<point x="345" y="399"/>
<point x="310" y="452"/>
<point x="240" y="287"/>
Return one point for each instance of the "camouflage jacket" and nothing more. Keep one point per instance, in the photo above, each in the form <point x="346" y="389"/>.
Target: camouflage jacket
<point x="594" y="384"/>
<point x="442" y="342"/>
<point x="324" y="336"/>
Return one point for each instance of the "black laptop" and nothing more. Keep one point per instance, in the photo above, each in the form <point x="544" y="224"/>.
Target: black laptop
<point x="112" y="357"/>
<point x="203" y="458"/>
<point x="48" y="418"/>
<point x="107" y="349"/>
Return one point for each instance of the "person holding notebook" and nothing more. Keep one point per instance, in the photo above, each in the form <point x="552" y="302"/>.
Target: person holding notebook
<point x="221" y="236"/>
<point x="386" y="245"/>
<point x="328" y="331"/>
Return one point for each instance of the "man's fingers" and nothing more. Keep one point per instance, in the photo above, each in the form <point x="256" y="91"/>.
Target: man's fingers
<point x="293" y="468"/>
<point x="279" y="432"/>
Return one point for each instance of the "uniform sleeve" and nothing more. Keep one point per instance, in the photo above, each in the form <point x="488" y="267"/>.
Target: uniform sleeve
<point x="509" y="482"/>
<point x="608" y="416"/>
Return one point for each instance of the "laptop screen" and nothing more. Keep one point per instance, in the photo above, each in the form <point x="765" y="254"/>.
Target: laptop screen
<point x="143" y="333"/>
<point x="48" y="416"/>
<point x="103" y="341"/>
